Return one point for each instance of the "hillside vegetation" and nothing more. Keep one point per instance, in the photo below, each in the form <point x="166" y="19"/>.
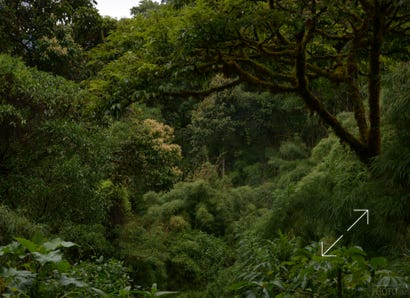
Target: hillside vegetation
<point x="205" y="149"/>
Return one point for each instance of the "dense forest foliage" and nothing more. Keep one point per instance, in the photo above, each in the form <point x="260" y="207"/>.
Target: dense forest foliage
<point x="205" y="149"/>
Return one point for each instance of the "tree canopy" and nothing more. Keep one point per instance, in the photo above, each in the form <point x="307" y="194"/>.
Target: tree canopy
<point x="51" y="34"/>
<point x="280" y="47"/>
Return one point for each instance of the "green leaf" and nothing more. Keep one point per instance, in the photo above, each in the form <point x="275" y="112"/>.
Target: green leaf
<point x="63" y="266"/>
<point x="355" y="250"/>
<point x="378" y="262"/>
<point x="124" y="292"/>
<point x="54" y="256"/>
<point x="164" y="293"/>
<point x="38" y="238"/>
<point x="278" y="283"/>
<point x="31" y="246"/>
<point x="12" y="248"/>
<point x="18" y="279"/>
<point x="57" y="242"/>
<point x="142" y="293"/>
<point x="100" y="292"/>
<point x="67" y="281"/>
<point x="240" y="285"/>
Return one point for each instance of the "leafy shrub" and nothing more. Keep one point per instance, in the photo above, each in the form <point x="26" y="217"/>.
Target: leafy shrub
<point x="91" y="240"/>
<point x="110" y="276"/>
<point x="145" y="252"/>
<point x="194" y="260"/>
<point x="177" y="259"/>
<point x="51" y="161"/>
<point x="37" y="268"/>
<point x="119" y="198"/>
<point x="330" y="183"/>
<point x="284" y="268"/>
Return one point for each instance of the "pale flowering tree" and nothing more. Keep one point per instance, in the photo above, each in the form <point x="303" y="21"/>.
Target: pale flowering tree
<point x="145" y="158"/>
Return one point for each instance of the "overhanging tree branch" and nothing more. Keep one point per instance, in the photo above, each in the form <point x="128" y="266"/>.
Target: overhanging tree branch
<point x="265" y="70"/>
<point x="326" y="73"/>
<point x="267" y="85"/>
<point x="204" y="93"/>
<point x="316" y="105"/>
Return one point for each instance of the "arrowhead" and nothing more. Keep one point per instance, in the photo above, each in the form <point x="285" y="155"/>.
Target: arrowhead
<point x="324" y="254"/>
<point x="365" y="212"/>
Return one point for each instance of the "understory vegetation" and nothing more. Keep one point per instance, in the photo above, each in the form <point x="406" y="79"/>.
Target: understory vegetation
<point x="178" y="153"/>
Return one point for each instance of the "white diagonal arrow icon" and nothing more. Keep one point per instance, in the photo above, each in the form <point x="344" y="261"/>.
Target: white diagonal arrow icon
<point x="324" y="253"/>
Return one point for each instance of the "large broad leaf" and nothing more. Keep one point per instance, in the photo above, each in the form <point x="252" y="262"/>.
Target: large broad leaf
<point x="56" y="243"/>
<point x="68" y="281"/>
<point x="31" y="246"/>
<point x="54" y="256"/>
<point x="12" y="248"/>
<point x="18" y="279"/>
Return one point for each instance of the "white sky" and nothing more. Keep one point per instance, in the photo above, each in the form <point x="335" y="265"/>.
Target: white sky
<point x="116" y="8"/>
